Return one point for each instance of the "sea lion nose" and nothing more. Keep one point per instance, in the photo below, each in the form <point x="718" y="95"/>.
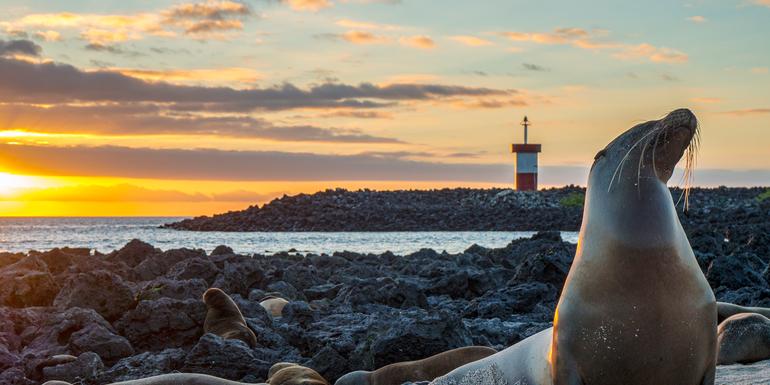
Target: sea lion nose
<point x="682" y="117"/>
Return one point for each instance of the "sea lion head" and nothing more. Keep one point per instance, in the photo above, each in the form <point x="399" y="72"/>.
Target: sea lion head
<point x="359" y="377"/>
<point x="627" y="192"/>
<point x="647" y="151"/>
<point x="215" y="297"/>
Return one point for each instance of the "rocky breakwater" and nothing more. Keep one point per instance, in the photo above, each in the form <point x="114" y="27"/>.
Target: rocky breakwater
<point x="70" y="315"/>
<point x="459" y="209"/>
<point x="558" y="209"/>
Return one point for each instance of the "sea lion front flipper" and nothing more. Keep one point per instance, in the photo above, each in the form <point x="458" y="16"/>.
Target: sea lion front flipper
<point x="709" y="377"/>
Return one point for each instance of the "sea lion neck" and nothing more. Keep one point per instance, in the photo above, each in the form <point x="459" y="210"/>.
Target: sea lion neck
<point x="638" y="217"/>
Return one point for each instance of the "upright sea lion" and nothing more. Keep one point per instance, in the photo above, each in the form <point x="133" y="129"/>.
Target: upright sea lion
<point x="426" y="369"/>
<point x="274" y="305"/>
<point x="743" y="338"/>
<point x="726" y="310"/>
<point x="284" y="373"/>
<point x="635" y="308"/>
<point x="224" y="319"/>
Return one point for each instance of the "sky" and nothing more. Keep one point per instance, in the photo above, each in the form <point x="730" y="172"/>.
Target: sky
<point x="202" y="106"/>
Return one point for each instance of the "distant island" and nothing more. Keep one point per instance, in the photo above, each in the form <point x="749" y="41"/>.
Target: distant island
<point x="458" y="209"/>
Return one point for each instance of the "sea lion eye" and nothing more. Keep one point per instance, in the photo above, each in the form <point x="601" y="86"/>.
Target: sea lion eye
<point x="600" y="154"/>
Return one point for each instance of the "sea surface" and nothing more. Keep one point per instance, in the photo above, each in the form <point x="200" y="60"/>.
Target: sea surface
<point x="109" y="233"/>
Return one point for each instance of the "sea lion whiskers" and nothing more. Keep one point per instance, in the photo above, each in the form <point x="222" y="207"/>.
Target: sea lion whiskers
<point x="641" y="156"/>
<point x="688" y="177"/>
<point x="622" y="160"/>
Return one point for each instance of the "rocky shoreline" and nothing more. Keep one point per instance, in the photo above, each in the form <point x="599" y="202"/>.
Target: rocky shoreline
<point x="461" y="209"/>
<point x="137" y="311"/>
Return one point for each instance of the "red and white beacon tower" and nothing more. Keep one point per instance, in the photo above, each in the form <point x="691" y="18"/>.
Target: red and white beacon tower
<point x="526" y="162"/>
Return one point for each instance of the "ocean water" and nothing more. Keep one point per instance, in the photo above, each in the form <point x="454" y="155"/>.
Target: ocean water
<point x="107" y="234"/>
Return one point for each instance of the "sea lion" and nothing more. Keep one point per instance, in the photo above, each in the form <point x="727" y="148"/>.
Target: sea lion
<point x="278" y="366"/>
<point x="743" y="338"/>
<point x="224" y="319"/>
<point x="285" y="373"/>
<point x="172" y="379"/>
<point x="273" y="305"/>
<point x="726" y="310"/>
<point x="635" y="308"/>
<point x="426" y="369"/>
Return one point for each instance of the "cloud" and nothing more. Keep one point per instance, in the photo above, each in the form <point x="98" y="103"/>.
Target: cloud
<point x="471" y="41"/>
<point x="61" y="83"/>
<point x="534" y="67"/>
<point x="420" y="42"/>
<point x="748" y="112"/>
<point x="760" y="70"/>
<point x="200" y="20"/>
<point x="19" y="47"/>
<point x="363" y="37"/>
<point x="763" y="3"/>
<point x="97" y="28"/>
<point x="357" y="114"/>
<point x="112" y="49"/>
<point x="491" y="103"/>
<point x="48" y="36"/>
<point x="132" y="193"/>
<point x="595" y="41"/>
<point x="669" y="78"/>
<point x="654" y="54"/>
<point x="358" y="25"/>
<point x="129" y="119"/>
<point x="308" y="5"/>
<point x="697" y="19"/>
<point x="207" y="18"/>
<point x="228" y="75"/>
<point x="205" y="164"/>
<point x="706" y="100"/>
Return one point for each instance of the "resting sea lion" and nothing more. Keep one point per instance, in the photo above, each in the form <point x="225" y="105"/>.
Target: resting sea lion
<point x="426" y="369"/>
<point x="285" y="373"/>
<point x="743" y="338"/>
<point x="635" y="308"/>
<point x="224" y="319"/>
<point x="171" y="379"/>
<point x="726" y="310"/>
<point x="273" y="305"/>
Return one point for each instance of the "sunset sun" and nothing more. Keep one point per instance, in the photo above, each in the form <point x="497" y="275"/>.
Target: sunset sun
<point x="10" y="182"/>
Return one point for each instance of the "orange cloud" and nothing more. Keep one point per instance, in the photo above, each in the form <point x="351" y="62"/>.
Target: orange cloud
<point x="411" y="79"/>
<point x="764" y="3"/>
<point x="706" y="100"/>
<point x="697" y="19"/>
<point x="760" y="70"/>
<point x="363" y="37"/>
<point x="131" y="193"/>
<point x="210" y="18"/>
<point x="48" y="35"/>
<point x="420" y="42"/>
<point x="229" y="75"/>
<point x="652" y="53"/>
<point x="471" y="41"/>
<point x="484" y="103"/>
<point x="594" y="41"/>
<point x="353" y="24"/>
<point x="748" y="112"/>
<point x="309" y="5"/>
